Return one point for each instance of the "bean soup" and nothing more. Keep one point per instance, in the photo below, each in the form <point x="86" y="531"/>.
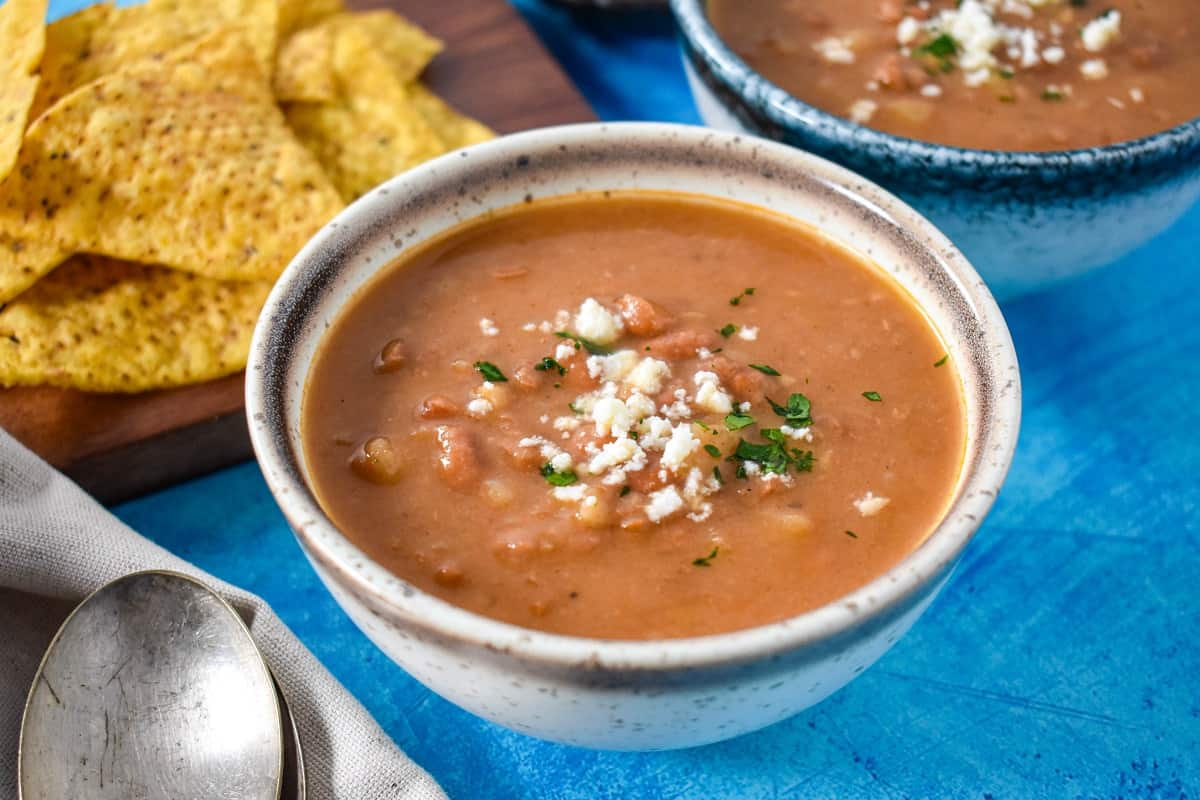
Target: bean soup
<point x="634" y="416"/>
<point x="985" y="74"/>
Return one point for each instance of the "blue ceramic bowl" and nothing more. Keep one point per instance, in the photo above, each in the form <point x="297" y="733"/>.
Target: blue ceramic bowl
<point x="1025" y="220"/>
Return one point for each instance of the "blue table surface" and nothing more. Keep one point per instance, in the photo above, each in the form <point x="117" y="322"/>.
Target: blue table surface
<point x="1062" y="661"/>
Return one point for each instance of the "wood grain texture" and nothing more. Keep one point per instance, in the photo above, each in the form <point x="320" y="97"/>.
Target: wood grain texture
<point x="119" y="446"/>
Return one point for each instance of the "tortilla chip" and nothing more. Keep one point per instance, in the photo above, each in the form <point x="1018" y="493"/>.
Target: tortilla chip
<point x="374" y="131"/>
<point x="101" y="40"/>
<point x="455" y="129"/>
<point x="304" y="67"/>
<point x="297" y="14"/>
<point x="22" y="40"/>
<point x="103" y="325"/>
<point x="407" y="48"/>
<point x="184" y="162"/>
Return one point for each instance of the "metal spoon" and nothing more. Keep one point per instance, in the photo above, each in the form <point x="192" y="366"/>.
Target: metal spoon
<point x="151" y="689"/>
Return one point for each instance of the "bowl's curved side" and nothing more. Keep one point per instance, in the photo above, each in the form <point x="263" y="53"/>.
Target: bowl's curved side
<point x="807" y="655"/>
<point x="1016" y="215"/>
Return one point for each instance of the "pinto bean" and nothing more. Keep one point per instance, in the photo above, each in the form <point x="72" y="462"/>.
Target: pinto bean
<point x="743" y="382"/>
<point x="449" y="575"/>
<point x="681" y="344"/>
<point x="890" y="11"/>
<point x="643" y="317"/>
<point x="392" y="357"/>
<point x="459" y="460"/>
<point x="889" y="72"/>
<point x="377" y="461"/>
<point x="437" y="406"/>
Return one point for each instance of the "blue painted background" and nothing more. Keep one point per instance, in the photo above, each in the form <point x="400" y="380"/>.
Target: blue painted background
<point x="1063" y="660"/>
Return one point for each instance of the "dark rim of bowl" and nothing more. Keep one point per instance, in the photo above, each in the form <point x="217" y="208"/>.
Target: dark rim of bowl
<point x="789" y="112"/>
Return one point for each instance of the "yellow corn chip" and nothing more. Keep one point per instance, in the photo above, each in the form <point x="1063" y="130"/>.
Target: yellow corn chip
<point x="374" y="131"/>
<point x="455" y="129"/>
<point x="407" y="48"/>
<point x="103" y="325"/>
<point x="184" y="162"/>
<point x="100" y="39"/>
<point x="304" y="67"/>
<point x="22" y="40"/>
<point x="297" y="14"/>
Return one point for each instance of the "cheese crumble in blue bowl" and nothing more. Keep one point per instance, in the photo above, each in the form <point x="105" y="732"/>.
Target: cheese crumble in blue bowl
<point x="1029" y="204"/>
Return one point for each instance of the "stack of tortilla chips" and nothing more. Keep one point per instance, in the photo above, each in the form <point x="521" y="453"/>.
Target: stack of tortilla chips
<point x="161" y="164"/>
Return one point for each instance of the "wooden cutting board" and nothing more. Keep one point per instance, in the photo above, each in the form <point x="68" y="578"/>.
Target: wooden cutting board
<point x="119" y="446"/>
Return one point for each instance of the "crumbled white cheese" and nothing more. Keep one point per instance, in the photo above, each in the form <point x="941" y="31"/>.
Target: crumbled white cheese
<point x="547" y="448"/>
<point x="569" y="494"/>
<point x="615" y="367"/>
<point x="871" y="504"/>
<point x="597" y="323"/>
<point x="663" y="503"/>
<point x="931" y="90"/>
<point x="835" y="50"/>
<point x="479" y="407"/>
<point x="710" y="395"/>
<point x="908" y="30"/>
<point x="566" y="423"/>
<point x="611" y="417"/>
<point x="544" y="419"/>
<point x="1094" y="69"/>
<point x="488" y="328"/>
<point x="1054" y="54"/>
<point x="804" y="433"/>
<point x="977" y="77"/>
<point x="1028" y="49"/>
<point x="748" y="333"/>
<point x="639" y="405"/>
<point x="681" y="445"/>
<point x="614" y="453"/>
<point x="564" y="352"/>
<point x="529" y="327"/>
<point x="654" y="432"/>
<point x="976" y="33"/>
<point x="744" y="406"/>
<point x="562" y="462"/>
<point x="1102" y="31"/>
<point x="862" y="110"/>
<point x="703" y="353"/>
<point x="1137" y="95"/>
<point x="648" y="376"/>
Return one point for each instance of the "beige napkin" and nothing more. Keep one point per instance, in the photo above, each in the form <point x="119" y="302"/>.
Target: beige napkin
<point x="57" y="545"/>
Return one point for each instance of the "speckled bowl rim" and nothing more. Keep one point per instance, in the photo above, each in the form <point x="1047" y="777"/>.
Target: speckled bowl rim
<point x="789" y="112"/>
<point x="269" y="369"/>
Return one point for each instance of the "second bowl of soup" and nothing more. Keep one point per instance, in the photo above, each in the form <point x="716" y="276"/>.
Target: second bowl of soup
<point x="1046" y="138"/>
<point x="632" y="436"/>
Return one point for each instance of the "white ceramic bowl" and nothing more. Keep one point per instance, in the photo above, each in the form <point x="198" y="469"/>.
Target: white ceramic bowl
<point x="642" y="695"/>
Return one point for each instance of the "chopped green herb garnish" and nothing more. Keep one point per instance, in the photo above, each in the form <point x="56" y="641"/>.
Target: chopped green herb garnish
<point x="701" y="424"/>
<point x="943" y="46"/>
<point x="874" y="397"/>
<point x="798" y="411"/>
<point x="852" y="534"/>
<point x="942" y="360"/>
<point x="727" y="330"/>
<point x="718" y="350"/>
<point x="766" y="370"/>
<point x="734" y="301"/>
<point x="587" y="344"/>
<point x="556" y="478"/>
<point x="706" y="561"/>
<point x="773" y="455"/>
<point x="1052" y="95"/>
<point x="737" y="420"/>
<point x="548" y="364"/>
<point x="490" y="372"/>
<point x="624" y="491"/>
<point x="717" y="476"/>
<point x="574" y="408"/>
<point x="712" y="450"/>
<point x="1006" y="73"/>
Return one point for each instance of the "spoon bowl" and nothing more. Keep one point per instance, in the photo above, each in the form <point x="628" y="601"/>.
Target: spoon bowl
<point x="152" y="688"/>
